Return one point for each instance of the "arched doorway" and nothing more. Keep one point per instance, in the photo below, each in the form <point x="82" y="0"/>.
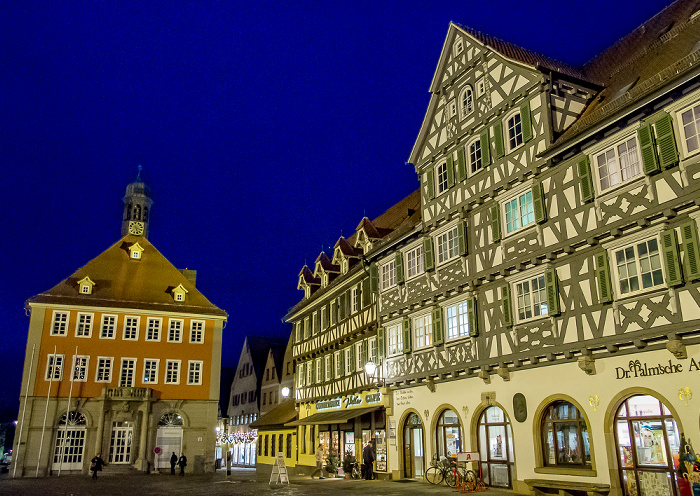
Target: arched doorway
<point x="413" y="459"/>
<point x="70" y="442"/>
<point x="647" y="440"/>
<point x="449" y="434"/>
<point x="496" y="447"/>
<point x="168" y="438"/>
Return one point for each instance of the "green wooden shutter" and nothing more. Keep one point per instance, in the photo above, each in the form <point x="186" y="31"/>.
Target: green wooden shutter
<point x="312" y="365"/>
<point x="496" y="223"/>
<point x="668" y="153"/>
<point x="551" y="282"/>
<point x="485" y="148"/>
<point x="585" y="179"/>
<point x="363" y="352"/>
<point x="538" y="203"/>
<point x="462" y="238"/>
<point x="300" y="374"/>
<point x="526" y="121"/>
<point x="428" y="258"/>
<point x="322" y="372"/>
<point x="351" y="358"/>
<point x="406" y="335"/>
<point x="669" y="245"/>
<point x="399" y="267"/>
<point x="429" y="181"/>
<point x="341" y="360"/>
<point x="374" y="278"/>
<point x="603" y="276"/>
<point x="450" y="170"/>
<point x="437" y="327"/>
<point x="461" y="164"/>
<point x="331" y="364"/>
<point x="341" y="307"/>
<point x="498" y="148"/>
<point x="691" y="250"/>
<point x="507" y="308"/>
<point x="648" y="150"/>
<point x="472" y="316"/>
<point x="381" y="343"/>
<point x="366" y="294"/>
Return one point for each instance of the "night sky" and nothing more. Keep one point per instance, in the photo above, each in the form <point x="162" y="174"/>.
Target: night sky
<point x="265" y="130"/>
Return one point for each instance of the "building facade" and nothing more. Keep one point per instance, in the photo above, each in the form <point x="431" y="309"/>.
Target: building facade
<point x="122" y="360"/>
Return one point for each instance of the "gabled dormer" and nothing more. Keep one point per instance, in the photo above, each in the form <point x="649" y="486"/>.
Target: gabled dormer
<point x="344" y="253"/>
<point x="135" y="251"/>
<point x="85" y="285"/>
<point x="368" y="234"/>
<point x="179" y="293"/>
<point x="307" y="282"/>
<point x="325" y="270"/>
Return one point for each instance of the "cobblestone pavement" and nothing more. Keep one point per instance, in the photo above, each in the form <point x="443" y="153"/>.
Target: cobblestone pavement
<point x="241" y="482"/>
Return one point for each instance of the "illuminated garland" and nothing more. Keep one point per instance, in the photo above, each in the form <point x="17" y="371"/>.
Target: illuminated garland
<point x="237" y="437"/>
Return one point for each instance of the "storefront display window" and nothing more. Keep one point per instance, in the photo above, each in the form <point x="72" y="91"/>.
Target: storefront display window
<point x="380" y="449"/>
<point x="648" y="442"/>
<point x="565" y="436"/>
<point x="496" y="447"/>
<point x="449" y="434"/>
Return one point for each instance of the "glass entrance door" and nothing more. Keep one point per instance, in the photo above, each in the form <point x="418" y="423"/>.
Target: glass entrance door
<point x="495" y="447"/>
<point x="120" y="446"/>
<point x="414" y="465"/>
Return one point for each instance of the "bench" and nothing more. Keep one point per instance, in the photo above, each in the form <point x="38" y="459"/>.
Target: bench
<point x="546" y="487"/>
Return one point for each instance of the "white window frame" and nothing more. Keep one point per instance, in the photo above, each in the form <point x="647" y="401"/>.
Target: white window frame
<point x="517" y="195"/>
<point x="309" y="376"/>
<point x="458" y="47"/>
<point x="195" y="367"/>
<point x="681" y="135"/>
<point x="104" y="364"/>
<point x="300" y="375"/>
<point x="480" y="87"/>
<point x="441" y="183"/>
<point x="155" y="371"/>
<point x="470" y="158"/>
<point x="112" y="328"/>
<point x="54" y="367"/>
<point x="452" y="108"/>
<point x="349" y="364"/>
<point x="328" y="367"/>
<point x="336" y="365"/>
<point x="519" y="137"/>
<point x="62" y="325"/>
<point x="355" y="302"/>
<point x="457" y="325"/>
<point x="633" y="241"/>
<point x="149" y="329"/>
<point x="83" y="324"/>
<point x="528" y="277"/>
<point x="358" y="357"/>
<point x="170" y="367"/>
<point x="127" y="318"/>
<point x="197" y="335"/>
<point x="442" y="240"/>
<point x="317" y="369"/>
<point x="612" y="144"/>
<point x="414" y="261"/>
<point x="387" y="274"/>
<point x="124" y="361"/>
<point x="422" y="331"/>
<point x="175" y="325"/>
<point x="82" y="363"/>
<point x="394" y="338"/>
<point x="372" y="354"/>
<point x="465" y="109"/>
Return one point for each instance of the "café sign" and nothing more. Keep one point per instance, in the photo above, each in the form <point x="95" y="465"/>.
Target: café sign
<point x="348" y="401"/>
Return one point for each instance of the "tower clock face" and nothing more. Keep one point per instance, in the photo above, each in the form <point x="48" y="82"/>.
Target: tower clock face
<point x="136" y="228"/>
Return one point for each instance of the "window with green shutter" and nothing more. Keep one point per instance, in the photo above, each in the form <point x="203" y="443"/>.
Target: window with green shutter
<point x="462" y="238"/>
<point x="428" y="257"/>
<point x="496" y="223"/>
<point x="485" y="148"/>
<point x="538" y="203"/>
<point x="666" y="141"/>
<point x="472" y="316"/>
<point x="400" y="279"/>
<point x="691" y="250"/>
<point x="381" y="343"/>
<point x="406" y="325"/>
<point x="650" y="162"/>
<point x="429" y="182"/>
<point x="506" y="306"/>
<point x="669" y="246"/>
<point x="583" y="166"/>
<point x="461" y="164"/>
<point x="363" y="352"/>
<point x="526" y="121"/>
<point x="552" y="286"/>
<point x="603" y="276"/>
<point x="366" y="294"/>
<point x="438" y="333"/>
<point x="374" y="278"/>
<point x="498" y="146"/>
<point x="341" y="361"/>
<point x="450" y="171"/>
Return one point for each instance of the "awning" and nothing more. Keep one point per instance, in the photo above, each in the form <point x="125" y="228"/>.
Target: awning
<point x="276" y="418"/>
<point x="337" y="417"/>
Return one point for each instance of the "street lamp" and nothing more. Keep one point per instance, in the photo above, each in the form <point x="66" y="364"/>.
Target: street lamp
<point x="285" y="392"/>
<point x="373" y="373"/>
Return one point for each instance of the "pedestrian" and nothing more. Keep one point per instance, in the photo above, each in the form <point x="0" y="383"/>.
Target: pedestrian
<point x="320" y="455"/>
<point x="368" y="460"/>
<point x="173" y="462"/>
<point x="183" y="463"/>
<point x="96" y="465"/>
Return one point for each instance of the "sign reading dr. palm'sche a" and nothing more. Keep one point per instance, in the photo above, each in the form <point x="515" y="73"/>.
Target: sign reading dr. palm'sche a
<point x="636" y="368"/>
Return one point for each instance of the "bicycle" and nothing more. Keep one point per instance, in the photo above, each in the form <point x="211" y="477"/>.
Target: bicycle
<point x="444" y="469"/>
<point x="467" y="480"/>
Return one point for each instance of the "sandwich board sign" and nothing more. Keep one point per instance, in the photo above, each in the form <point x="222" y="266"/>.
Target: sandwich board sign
<point x="468" y="456"/>
<point x="279" y="471"/>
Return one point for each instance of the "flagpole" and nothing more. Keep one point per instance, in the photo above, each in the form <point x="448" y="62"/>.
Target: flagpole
<point x="24" y="410"/>
<point x="46" y="410"/>
<point x="65" y="426"/>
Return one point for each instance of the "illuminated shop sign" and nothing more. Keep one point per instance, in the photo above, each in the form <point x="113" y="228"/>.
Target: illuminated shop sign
<point x="328" y="404"/>
<point x="373" y="398"/>
<point x="348" y="401"/>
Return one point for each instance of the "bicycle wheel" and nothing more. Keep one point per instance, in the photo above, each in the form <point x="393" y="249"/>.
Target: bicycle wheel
<point x="451" y="477"/>
<point x="469" y="476"/>
<point x="433" y="475"/>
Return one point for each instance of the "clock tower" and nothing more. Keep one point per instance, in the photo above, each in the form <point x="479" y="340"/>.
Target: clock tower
<point x="137" y="208"/>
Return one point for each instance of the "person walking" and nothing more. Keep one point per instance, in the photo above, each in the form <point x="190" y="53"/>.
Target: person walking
<point x="182" y="462"/>
<point x="96" y="465"/>
<point x="173" y="462"/>
<point x="368" y="460"/>
<point x="320" y="455"/>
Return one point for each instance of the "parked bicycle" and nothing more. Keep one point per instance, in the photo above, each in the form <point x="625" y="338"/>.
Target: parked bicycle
<point x="445" y="469"/>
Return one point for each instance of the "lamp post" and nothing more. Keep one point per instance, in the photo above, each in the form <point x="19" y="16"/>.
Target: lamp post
<point x="372" y="371"/>
<point x="285" y="392"/>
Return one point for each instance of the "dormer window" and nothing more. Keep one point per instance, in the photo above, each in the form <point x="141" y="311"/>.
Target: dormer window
<point x="345" y="266"/>
<point x="135" y="251"/>
<point x="85" y="285"/>
<point x="179" y="293"/>
<point x="363" y="241"/>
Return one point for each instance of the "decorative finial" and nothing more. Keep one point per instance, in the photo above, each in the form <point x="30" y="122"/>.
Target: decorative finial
<point x="138" y="176"/>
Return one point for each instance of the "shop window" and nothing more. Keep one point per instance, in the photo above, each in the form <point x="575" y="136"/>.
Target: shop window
<point x="648" y="442"/>
<point x="449" y="438"/>
<point x="565" y="441"/>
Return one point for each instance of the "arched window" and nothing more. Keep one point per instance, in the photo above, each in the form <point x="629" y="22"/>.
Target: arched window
<point x="565" y="440"/>
<point x="449" y="437"/>
<point x="466" y="102"/>
<point x="128" y="212"/>
<point x="496" y="447"/>
<point x="170" y="419"/>
<point x="70" y="442"/>
<point x="137" y="212"/>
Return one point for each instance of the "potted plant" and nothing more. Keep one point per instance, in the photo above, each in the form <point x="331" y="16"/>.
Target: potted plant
<point x="348" y="464"/>
<point x="332" y="461"/>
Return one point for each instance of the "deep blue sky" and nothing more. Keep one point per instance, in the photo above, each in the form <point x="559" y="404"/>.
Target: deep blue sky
<point x="265" y="129"/>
